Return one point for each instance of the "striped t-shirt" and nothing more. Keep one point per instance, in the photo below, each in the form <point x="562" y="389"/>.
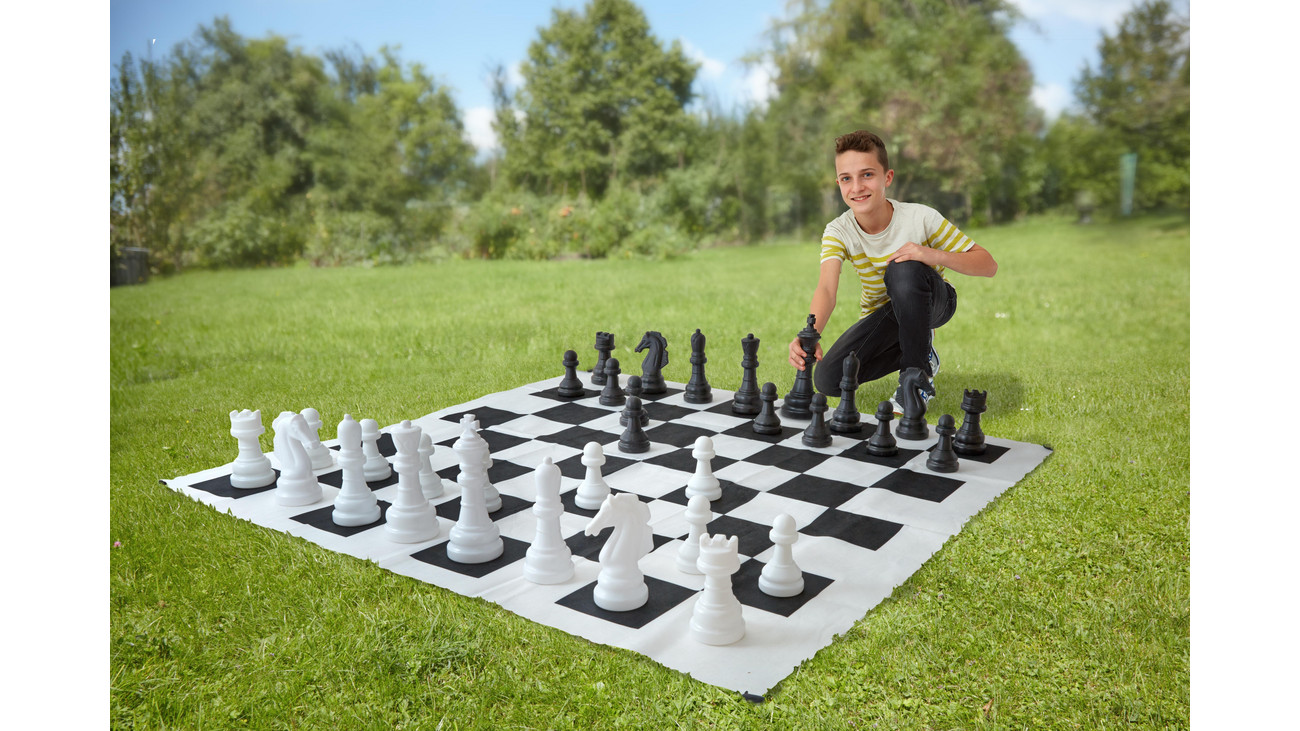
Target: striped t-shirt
<point x="869" y="253"/>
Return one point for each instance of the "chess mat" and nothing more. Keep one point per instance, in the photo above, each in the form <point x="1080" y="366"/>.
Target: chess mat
<point x="865" y="523"/>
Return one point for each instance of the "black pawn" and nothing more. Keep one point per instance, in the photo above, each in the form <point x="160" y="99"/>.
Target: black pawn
<point x="942" y="458"/>
<point x="913" y="426"/>
<point x="846" y="419"/>
<point x="817" y="435"/>
<point x="970" y="438"/>
<point x="698" y="390"/>
<point x="634" y="389"/>
<point x="882" y="443"/>
<point x="604" y="345"/>
<point x="612" y="394"/>
<point x="634" y="440"/>
<point x="796" y="402"/>
<point x="570" y="386"/>
<point x="746" y="401"/>
<point x="767" y="422"/>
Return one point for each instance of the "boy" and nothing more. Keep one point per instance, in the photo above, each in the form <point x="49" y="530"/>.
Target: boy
<point x="899" y="251"/>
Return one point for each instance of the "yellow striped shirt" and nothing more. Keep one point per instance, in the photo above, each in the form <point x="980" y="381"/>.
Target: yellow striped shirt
<point x="845" y="240"/>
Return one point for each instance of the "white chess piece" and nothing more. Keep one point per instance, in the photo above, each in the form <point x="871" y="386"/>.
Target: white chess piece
<point x="410" y="519"/>
<point x="491" y="497"/>
<point x="781" y="577"/>
<point x="717" y="618"/>
<point x="322" y="456"/>
<point x="356" y="503"/>
<point x="703" y="482"/>
<point x="296" y="484"/>
<point x="698" y="516"/>
<point x="251" y="468"/>
<point x="475" y="538"/>
<point x="620" y="586"/>
<point x="548" y="560"/>
<point x="593" y="490"/>
<point x="429" y="480"/>
<point x="377" y="468"/>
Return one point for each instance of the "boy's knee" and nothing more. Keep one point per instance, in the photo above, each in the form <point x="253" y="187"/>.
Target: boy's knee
<point x="827" y="380"/>
<point x="904" y="278"/>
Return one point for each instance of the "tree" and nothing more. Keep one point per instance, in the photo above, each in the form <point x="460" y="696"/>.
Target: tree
<point x="1140" y="99"/>
<point x="601" y="100"/>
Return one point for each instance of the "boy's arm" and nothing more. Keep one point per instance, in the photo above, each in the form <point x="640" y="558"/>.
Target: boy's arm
<point x="823" y="303"/>
<point x="975" y="261"/>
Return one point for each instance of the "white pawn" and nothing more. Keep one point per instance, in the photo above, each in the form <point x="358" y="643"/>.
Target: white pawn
<point x="491" y="497"/>
<point x="698" y="516"/>
<point x="251" y="468"/>
<point x="717" y="618"/>
<point x="430" y="482"/>
<point x="356" y="503"/>
<point x="781" y="577"/>
<point x="475" y="538"/>
<point x="377" y="468"/>
<point x="296" y="484"/>
<point x="593" y="490"/>
<point x="410" y="519"/>
<point x="703" y="482"/>
<point x="548" y="560"/>
<point x="321" y="455"/>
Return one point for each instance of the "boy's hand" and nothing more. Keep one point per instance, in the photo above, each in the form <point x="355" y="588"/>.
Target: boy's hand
<point x="916" y="252"/>
<point x="796" y="353"/>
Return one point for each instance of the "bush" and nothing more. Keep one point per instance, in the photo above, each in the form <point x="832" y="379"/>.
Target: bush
<point x="234" y="234"/>
<point x="353" y="237"/>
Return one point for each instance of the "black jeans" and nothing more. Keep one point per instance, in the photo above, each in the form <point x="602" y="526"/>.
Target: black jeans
<point x="896" y="336"/>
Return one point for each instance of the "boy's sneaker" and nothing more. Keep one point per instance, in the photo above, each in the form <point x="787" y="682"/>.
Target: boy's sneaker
<point x="897" y="399"/>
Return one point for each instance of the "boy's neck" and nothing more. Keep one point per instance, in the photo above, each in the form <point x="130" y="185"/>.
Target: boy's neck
<point x="877" y="223"/>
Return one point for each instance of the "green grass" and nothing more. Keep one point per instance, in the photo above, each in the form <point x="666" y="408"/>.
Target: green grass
<point x="1064" y="604"/>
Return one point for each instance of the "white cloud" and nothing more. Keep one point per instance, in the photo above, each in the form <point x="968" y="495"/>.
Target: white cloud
<point x="1051" y="98"/>
<point x="1099" y="13"/>
<point x="759" y="84"/>
<point x="710" y="68"/>
<point x="478" y="123"/>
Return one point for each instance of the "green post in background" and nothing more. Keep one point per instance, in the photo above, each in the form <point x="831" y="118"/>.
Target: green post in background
<point x="1128" y="164"/>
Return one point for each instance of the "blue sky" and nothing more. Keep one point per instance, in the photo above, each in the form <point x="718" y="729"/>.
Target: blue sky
<point x="458" y="41"/>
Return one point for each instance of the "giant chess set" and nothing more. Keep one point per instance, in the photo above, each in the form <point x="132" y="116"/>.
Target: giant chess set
<point x="727" y="535"/>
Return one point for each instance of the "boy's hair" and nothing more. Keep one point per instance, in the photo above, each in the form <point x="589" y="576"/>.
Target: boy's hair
<point x="863" y="141"/>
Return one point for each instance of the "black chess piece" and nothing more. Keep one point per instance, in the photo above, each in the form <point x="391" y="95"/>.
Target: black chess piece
<point x="817" y="435"/>
<point x="634" y="388"/>
<point x="796" y="402"/>
<point x="970" y="437"/>
<point x="911" y="383"/>
<point x="942" y="458"/>
<point x="656" y="357"/>
<point x="698" y="390"/>
<point x="634" y="440"/>
<point x="604" y="346"/>
<point x="570" y="386"/>
<point x="846" y="419"/>
<point x="746" y="400"/>
<point x="767" y="422"/>
<point x="612" y="394"/>
<point x="882" y="443"/>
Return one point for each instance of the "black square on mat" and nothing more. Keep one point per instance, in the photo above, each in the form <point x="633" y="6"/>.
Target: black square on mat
<point x="384" y="443"/>
<point x="724" y="408"/>
<point x="496" y="441"/>
<point x="663" y="597"/>
<point x="678" y="435"/>
<point x="588" y="547"/>
<point x="788" y="458"/>
<point x="335" y="479"/>
<point x="660" y="396"/>
<point x="934" y="488"/>
<point x="569" y="501"/>
<point x="746" y="431"/>
<point x="991" y="454"/>
<point x="860" y="530"/>
<point x="221" y="487"/>
<point x="744" y="583"/>
<point x="818" y="490"/>
<point x="553" y="394"/>
<point x="572" y="413"/>
<point x="578" y="437"/>
<point x="862" y="434"/>
<point x="437" y="555"/>
<point x="733" y="496"/>
<point x="486" y="416"/>
<point x="509" y="506"/>
<point x="754" y="537"/>
<point x="573" y="466"/>
<point x="859" y="452"/>
<point x="684" y="461"/>
<point x="323" y="518"/>
<point x="665" y="412"/>
<point x="500" y="471"/>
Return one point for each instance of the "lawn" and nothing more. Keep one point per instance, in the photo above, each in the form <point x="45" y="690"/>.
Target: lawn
<point x="1064" y="604"/>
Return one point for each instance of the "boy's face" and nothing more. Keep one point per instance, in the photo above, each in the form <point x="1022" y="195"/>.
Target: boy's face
<point x="862" y="180"/>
